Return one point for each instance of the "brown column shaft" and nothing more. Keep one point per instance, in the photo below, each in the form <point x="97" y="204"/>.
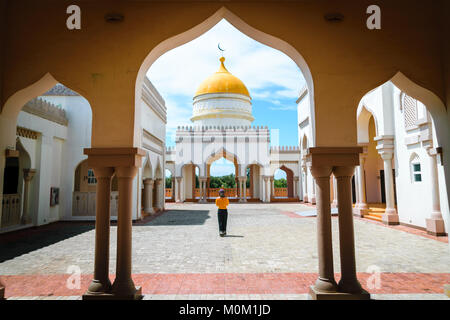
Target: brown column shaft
<point x="348" y="283"/>
<point x="101" y="282"/>
<point x="123" y="284"/>
<point x="325" y="282"/>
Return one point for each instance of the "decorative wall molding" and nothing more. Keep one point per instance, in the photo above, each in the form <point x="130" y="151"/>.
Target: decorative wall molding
<point x="46" y="110"/>
<point x="27" y="133"/>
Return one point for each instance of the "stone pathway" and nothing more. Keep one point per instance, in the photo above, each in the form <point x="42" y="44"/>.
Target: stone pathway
<point x="180" y="253"/>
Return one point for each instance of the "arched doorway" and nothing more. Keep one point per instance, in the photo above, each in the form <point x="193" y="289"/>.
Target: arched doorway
<point x="221" y="174"/>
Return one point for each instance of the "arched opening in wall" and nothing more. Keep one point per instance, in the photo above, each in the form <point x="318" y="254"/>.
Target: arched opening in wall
<point x="16" y="188"/>
<point x="190" y="174"/>
<point x="169" y="186"/>
<point x="53" y="124"/>
<point x="254" y="182"/>
<point x="402" y="176"/>
<point x="283" y="183"/>
<point x="222" y="174"/>
<point x="253" y="100"/>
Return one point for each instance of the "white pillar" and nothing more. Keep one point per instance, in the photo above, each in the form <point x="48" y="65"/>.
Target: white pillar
<point x="158" y="187"/>
<point x="362" y="207"/>
<point x="335" y="201"/>
<point x="390" y="215"/>
<point x="148" y="196"/>
<point x="178" y="189"/>
<point x="266" y="189"/>
<point x="202" y="184"/>
<point x="305" y="190"/>
<point x="28" y="175"/>
<point x="435" y="224"/>
<point x="313" y="191"/>
<point x="245" y="189"/>
<point x="272" y="187"/>
<point x="296" y="194"/>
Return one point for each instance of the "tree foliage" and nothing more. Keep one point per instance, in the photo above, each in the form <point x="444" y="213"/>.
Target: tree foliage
<point x="280" y="183"/>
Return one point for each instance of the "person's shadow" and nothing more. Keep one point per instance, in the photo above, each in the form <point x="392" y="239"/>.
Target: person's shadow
<point x="233" y="236"/>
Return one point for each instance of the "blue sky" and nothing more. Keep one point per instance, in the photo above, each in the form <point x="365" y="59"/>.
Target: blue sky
<point x="272" y="78"/>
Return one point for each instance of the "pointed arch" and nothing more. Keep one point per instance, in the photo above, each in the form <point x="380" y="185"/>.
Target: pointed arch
<point x="242" y="26"/>
<point x="363" y="118"/>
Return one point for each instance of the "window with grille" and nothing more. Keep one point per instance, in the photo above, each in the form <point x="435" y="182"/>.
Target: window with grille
<point x="409" y="111"/>
<point x="91" y="178"/>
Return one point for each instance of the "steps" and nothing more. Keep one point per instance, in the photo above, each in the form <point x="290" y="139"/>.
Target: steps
<point x="375" y="213"/>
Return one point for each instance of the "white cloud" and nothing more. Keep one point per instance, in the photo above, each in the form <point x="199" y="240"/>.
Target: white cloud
<point x="222" y="167"/>
<point x="269" y="74"/>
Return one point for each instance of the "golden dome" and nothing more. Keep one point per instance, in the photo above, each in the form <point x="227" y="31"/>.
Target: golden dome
<point x="222" y="82"/>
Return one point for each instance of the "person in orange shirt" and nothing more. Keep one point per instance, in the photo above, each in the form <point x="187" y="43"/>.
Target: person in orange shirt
<point x="222" y="203"/>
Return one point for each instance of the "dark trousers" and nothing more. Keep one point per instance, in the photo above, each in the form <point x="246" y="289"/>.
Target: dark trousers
<point x="222" y="215"/>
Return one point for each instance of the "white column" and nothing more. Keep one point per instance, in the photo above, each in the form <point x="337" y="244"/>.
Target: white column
<point x="385" y="147"/>
<point x="335" y="201"/>
<point x="435" y="224"/>
<point x="296" y="179"/>
<point x="178" y="189"/>
<point x="28" y="175"/>
<point x="305" y="190"/>
<point x="158" y="187"/>
<point x="266" y="189"/>
<point x="202" y="184"/>
<point x="390" y="215"/>
<point x="272" y="187"/>
<point x="362" y="200"/>
<point x="245" y="189"/>
<point x="313" y="191"/>
<point x="148" y="196"/>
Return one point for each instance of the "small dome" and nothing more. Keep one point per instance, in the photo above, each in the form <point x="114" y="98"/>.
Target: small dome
<point x="222" y="82"/>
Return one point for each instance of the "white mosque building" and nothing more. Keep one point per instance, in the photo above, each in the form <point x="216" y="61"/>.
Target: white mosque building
<point x="221" y="128"/>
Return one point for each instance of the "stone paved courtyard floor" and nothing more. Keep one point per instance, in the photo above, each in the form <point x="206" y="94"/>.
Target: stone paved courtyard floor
<point x="269" y="253"/>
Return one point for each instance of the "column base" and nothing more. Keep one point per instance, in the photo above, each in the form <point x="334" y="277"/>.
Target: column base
<point x="137" y="295"/>
<point x="320" y="295"/>
<point x="312" y="200"/>
<point x="360" y="212"/>
<point x="436" y="227"/>
<point x="390" y="219"/>
<point x="203" y="201"/>
<point x="305" y="198"/>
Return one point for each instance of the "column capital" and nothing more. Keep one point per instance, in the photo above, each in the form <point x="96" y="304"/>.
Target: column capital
<point x="148" y="181"/>
<point x="178" y="178"/>
<point x="385" y="146"/>
<point x="125" y="172"/>
<point x="114" y="157"/>
<point x="242" y="179"/>
<point x="203" y="179"/>
<point x="103" y="172"/>
<point x="343" y="171"/>
<point x="266" y="178"/>
<point x="321" y="172"/>
<point x="28" y="174"/>
<point x="296" y="178"/>
<point x="333" y="156"/>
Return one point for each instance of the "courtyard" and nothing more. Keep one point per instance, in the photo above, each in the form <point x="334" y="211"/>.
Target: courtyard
<point x="270" y="252"/>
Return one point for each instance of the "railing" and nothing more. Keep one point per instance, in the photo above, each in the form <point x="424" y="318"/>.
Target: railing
<point x="214" y="192"/>
<point x="11" y="209"/>
<point x="169" y="193"/>
<point x="281" y="193"/>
